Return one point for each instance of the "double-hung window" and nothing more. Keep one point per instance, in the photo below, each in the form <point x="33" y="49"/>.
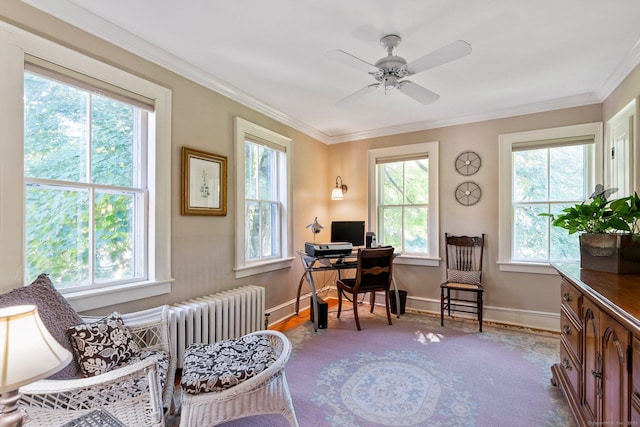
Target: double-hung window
<point x="403" y="207"/>
<point x="85" y="183"/>
<point x="544" y="171"/>
<point x="263" y="201"/>
<point x="84" y="198"/>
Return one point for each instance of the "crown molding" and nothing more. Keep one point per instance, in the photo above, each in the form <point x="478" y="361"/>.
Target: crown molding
<point x="555" y="104"/>
<point x="630" y="61"/>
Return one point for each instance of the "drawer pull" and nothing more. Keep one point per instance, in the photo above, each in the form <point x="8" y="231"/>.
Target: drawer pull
<point x="596" y="374"/>
<point x="566" y="297"/>
<point x="566" y="364"/>
<point x="566" y="329"/>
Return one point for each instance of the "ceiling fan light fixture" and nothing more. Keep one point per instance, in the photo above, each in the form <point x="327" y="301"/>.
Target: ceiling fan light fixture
<point x="390" y="82"/>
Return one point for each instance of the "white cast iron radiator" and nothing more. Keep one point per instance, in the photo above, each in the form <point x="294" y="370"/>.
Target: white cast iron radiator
<point x="216" y="317"/>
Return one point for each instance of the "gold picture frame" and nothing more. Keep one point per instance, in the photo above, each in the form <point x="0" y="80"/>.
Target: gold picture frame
<point x="204" y="183"/>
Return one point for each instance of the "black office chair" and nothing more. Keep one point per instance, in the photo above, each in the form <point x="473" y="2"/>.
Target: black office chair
<point x="374" y="273"/>
<point x="464" y="274"/>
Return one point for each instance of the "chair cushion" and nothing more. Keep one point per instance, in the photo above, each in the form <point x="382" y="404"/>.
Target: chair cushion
<point x="471" y="277"/>
<point x="162" y="362"/>
<point x="56" y="314"/>
<point x="216" y="367"/>
<point x="103" y="345"/>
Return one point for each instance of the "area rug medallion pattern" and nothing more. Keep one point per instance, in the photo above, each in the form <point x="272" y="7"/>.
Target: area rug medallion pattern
<point x="417" y="373"/>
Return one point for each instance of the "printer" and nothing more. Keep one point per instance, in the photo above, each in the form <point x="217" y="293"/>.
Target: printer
<point x="328" y="249"/>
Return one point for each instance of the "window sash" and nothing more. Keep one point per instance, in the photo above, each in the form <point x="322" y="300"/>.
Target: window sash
<point x="279" y="199"/>
<point x="137" y="212"/>
<point x="90" y="84"/>
<point x="589" y="133"/>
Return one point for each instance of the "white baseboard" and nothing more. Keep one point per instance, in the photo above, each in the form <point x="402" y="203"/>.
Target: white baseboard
<point x="508" y="316"/>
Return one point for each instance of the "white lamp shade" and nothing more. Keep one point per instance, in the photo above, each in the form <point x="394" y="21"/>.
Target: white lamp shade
<point x="336" y="194"/>
<point x="28" y="352"/>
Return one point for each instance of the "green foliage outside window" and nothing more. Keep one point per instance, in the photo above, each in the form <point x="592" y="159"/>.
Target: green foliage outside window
<point x="403" y="205"/>
<point x="80" y="165"/>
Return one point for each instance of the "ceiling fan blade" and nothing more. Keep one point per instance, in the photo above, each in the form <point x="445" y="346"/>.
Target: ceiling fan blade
<point x="445" y="54"/>
<point x="417" y="92"/>
<point x="359" y="94"/>
<point x="352" y="61"/>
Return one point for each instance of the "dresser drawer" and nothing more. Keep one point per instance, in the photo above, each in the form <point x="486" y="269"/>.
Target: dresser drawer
<point x="571" y="298"/>
<point x="571" y="333"/>
<point x="572" y="369"/>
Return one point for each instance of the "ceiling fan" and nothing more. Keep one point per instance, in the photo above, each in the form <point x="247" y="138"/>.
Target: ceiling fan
<point x="390" y="70"/>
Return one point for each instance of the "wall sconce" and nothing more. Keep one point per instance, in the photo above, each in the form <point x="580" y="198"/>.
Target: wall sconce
<point x="339" y="190"/>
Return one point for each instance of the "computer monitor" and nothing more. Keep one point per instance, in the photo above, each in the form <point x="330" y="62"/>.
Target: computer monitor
<point x="348" y="231"/>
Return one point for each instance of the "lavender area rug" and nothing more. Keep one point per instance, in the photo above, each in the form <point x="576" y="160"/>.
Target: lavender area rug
<point x="417" y="373"/>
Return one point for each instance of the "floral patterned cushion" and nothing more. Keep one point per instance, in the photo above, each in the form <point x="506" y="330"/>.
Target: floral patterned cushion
<point x="216" y="367"/>
<point x="101" y="346"/>
<point x="471" y="277"/>
<point x="162" y="362"/>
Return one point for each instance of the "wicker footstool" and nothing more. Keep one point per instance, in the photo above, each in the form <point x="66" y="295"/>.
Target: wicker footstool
<point x="235" y="379"/>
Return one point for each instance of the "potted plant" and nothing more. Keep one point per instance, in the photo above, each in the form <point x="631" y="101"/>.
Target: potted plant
<point x="610" y="233"/>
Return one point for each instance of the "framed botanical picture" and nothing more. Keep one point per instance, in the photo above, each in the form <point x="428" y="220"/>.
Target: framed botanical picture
<point x="204" y="183"/>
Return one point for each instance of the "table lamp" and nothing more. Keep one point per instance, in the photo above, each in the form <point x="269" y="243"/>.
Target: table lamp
<point x="28" y="353"/>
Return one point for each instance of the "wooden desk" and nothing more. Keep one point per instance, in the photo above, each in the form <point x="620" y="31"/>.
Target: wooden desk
<point x="599" y="369"/>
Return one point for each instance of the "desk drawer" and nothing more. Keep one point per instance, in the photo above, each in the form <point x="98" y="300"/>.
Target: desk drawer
<point x="571" y="298"/>
<point x="571" y="368"/>
<point x="571" y="333"/>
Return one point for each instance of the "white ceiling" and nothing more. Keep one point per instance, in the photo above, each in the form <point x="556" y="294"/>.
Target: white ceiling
<point x="528" y="55"/>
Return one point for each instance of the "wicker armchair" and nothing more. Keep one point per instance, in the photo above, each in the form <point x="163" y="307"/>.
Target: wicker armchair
<point x="265" y="393"/>
<point x="130" y="393"/>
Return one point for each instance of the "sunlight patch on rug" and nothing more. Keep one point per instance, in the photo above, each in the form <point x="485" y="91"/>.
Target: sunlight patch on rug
<point x="396" y="388"/>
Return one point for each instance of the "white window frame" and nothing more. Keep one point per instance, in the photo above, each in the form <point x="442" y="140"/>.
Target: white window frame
<point x="431" y="150"/>
<point x="246" y="130"/>
<point x="505" y="215"/>
<point x="14" y="44"/>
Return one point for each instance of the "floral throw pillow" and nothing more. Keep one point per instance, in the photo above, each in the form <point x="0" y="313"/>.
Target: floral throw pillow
<point x="216" y="367"/>
<point x="103" y="345"/>
<point x="471" y="277"/>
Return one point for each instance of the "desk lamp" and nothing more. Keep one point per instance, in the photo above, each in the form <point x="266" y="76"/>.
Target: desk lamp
<point x="28" y="353"/>
<point x="315" y="227"/>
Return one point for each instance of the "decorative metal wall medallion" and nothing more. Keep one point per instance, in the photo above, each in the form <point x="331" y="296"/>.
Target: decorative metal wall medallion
<point x="468" y="163"/>
<point x="468" y="193"/>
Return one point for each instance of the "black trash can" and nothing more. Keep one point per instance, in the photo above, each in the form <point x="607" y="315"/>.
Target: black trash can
<point x="403" y="301"/>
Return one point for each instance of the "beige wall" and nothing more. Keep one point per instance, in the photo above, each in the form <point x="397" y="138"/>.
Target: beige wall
<point x="203" y="246"/>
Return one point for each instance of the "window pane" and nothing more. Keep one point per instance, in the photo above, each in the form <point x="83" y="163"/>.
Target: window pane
<point x="112" y="141"/>
<point x="391" y="179"/>
<point x="58" y="235"/>
<point x="391" y="227"/>
<point x="415" y="224"/>
<point x="252" y="230"/>
<point x="530" y="233"/>
<point x="566" y="173"/>
<point x="55" y="130"/>
<point x="267" y="170"/>
<point x="251" y="170"/>
<point x="416" y="182"/>
<point x="530" y="175"/>
<point x="114" y="238"/>
<point x="270" y="230"/>
<point x="564" y="246"/>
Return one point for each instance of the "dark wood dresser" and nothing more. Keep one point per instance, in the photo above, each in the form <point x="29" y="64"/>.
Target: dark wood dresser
<point x="599" y="369"/>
